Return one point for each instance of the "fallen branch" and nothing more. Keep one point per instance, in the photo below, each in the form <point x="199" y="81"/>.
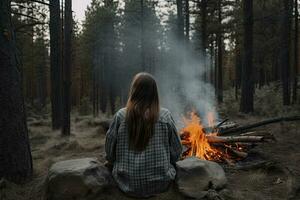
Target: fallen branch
<point x="220" y="127"/>
<point x="262" y="123"/>
<point x="239" y="153"/>
<point x="230" y="139"/>
<point x="221" y="123"/>
<point x="265" y="134"/>
<point x="229" y="162"/>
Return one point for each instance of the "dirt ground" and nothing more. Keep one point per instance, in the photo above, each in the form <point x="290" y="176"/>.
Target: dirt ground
<point x="276" y="178"/>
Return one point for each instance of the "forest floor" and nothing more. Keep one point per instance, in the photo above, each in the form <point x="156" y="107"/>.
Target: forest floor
<point x="277" y="179"/>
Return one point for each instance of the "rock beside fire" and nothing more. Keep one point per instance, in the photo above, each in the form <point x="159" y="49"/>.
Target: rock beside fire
<point x="77" y="179"/>
<point x="196" y="177"/>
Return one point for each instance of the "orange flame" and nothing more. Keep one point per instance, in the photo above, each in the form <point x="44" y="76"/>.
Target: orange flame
<point x="193" y="136"/>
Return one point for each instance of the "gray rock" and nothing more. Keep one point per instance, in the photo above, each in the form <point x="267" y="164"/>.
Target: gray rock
<point x="77" y="179"/>
<point x="195" y="177"/>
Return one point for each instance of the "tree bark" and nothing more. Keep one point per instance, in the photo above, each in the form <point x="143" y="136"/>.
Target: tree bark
<point x="15" y="155"/>
<point x="216" y="66"/>
<point x="246" y="104"/>
<point x="55" y="64"/>
<point x="296" y="58"/>
<point x="284" y="57"/>
<point x="143" y="37"/>
<point x="220" y="54"/>
<point x="67" y="67"/>
<point x="180" y="21"/>
<point x="203" y="9"/>
<point x="187" y="22"/>
<point x="41" y="73"/>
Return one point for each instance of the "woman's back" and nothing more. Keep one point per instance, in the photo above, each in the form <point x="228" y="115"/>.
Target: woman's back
<point x="147" y="172"/>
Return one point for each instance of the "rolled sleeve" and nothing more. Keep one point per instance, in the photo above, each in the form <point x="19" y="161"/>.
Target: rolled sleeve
<point x="175" y="141"/>
<point x="111" y="139"/>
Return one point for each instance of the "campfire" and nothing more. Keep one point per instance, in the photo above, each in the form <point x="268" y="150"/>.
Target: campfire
<point x="195" y="139"/>
<point x="207" y="142"/>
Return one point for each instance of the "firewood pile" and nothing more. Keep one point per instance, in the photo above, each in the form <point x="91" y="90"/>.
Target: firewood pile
<point x="225" y="142"/>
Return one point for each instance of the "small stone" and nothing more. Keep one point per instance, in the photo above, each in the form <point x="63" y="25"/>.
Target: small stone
<point x="195" y="177"/>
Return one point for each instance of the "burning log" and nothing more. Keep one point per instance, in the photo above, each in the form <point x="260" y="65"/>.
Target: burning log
<point x="232" y="149"/>
<point x="230" y="139"/>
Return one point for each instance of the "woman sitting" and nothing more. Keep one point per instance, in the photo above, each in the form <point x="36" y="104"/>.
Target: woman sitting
<point x="142" y="143"/>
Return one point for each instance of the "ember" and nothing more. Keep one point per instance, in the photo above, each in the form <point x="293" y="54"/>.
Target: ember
<point x="209" y="146"/>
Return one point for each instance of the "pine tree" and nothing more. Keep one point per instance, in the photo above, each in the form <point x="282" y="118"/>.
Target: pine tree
<point x="15" y="155"/>
<point x="56" y="63"/>
<point x="246" y="104"/>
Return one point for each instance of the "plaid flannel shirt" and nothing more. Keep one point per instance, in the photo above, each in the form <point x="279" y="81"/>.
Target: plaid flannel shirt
<point x="150" y="171"/>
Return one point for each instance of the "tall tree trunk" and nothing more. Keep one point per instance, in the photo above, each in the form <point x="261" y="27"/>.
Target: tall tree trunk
<point x="238" y="66"/>
<point x="220" y="54"/>
<point x="143" y="37"/>
<point x="212" y="61"/>
<point x="15" y="155"/>
<point x="94" y="94"/>
<point x="246" y="104"/>
<point x="284" y="57"/>
<point x="296" y="53"/>
<point x="180" y="21"/>
<point x="187" y="22"/>
<point x="203" y="9"/>
<point x="55" y="64"/>
<point x="216" y="66"/>
<point x="103" y="82"/>
<point x="41" y="75"/>
<point x="111" y="63"/>
<point x="67" y="67"/>
<point x="238" y="58"/>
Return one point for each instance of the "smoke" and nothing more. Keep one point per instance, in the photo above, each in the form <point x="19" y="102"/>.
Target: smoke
<point x="177" y="65"/>
<point x="181" y="83"/>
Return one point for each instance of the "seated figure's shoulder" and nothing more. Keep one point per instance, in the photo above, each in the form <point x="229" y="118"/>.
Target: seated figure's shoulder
<point x="164" y="115"/>
<point x="121" y="113"/>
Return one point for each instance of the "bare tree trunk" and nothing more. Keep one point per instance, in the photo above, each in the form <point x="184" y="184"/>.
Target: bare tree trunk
<point x="296" y="62"/>
<point x="203" y="8"/>
<point x="143" y="37"/>
<point x="94" y="94"/>
<point x="180" y="21"/>
<point x="238" y="66"/>
<point x="238" y="59"/>
<point x="41" y="76"/>
<point x="56" y="63"/>
<point x="220" y="55"/>
<point x="212" y="68"/>
<point x="216" y="68"/>
<point x="103" y="84"/>
<point x="15" y="155"/>
<point x="67" y="67"/>
<point x="187" y="22"/>
<point x="246" y="104"/>
<point x="284" y="57"/>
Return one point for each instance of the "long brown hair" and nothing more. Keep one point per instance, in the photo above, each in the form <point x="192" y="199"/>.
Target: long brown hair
<point x="142" y="110"/>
